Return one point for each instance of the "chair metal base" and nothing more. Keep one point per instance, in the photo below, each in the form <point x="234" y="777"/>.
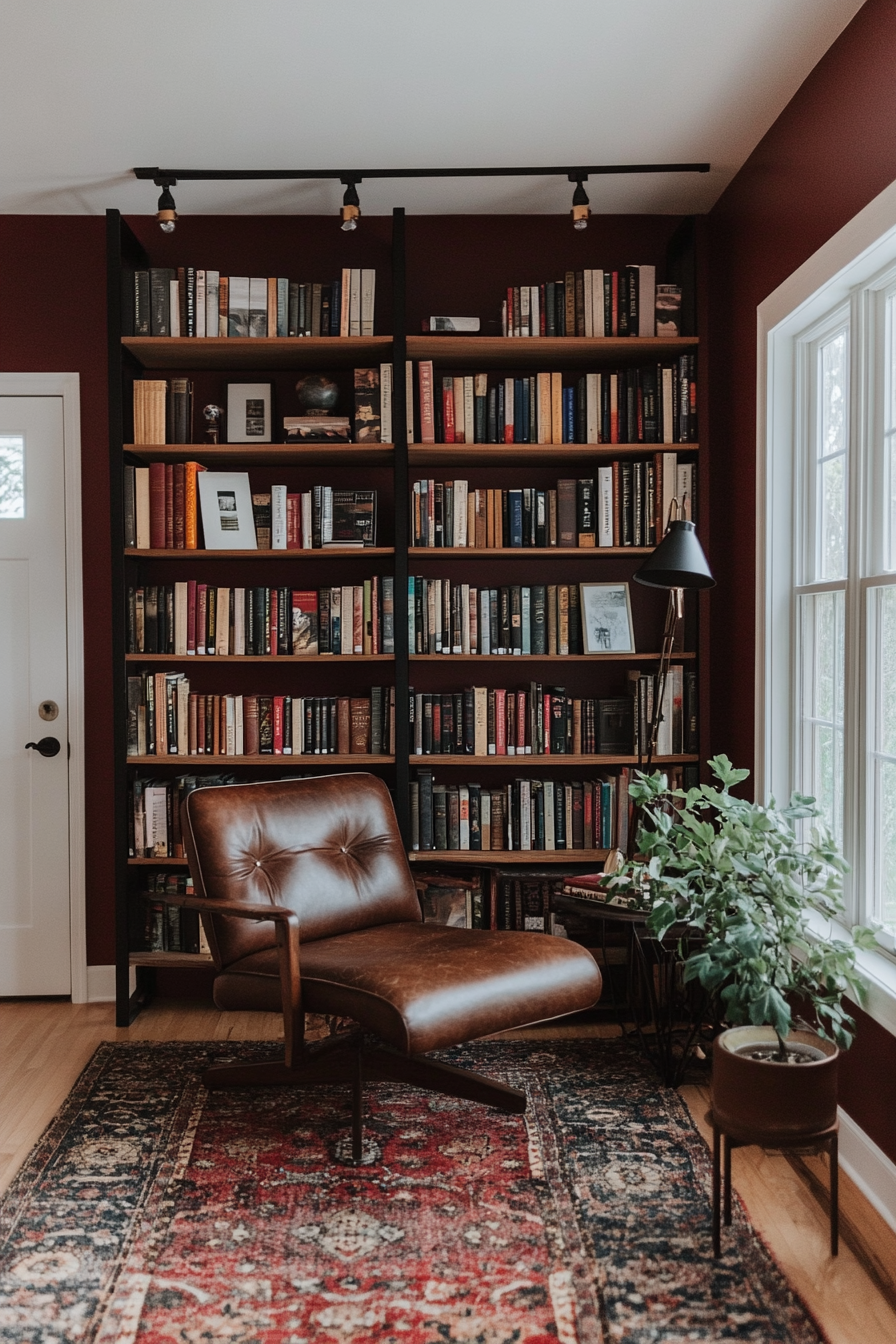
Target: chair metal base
<point x="349" y="1060"/>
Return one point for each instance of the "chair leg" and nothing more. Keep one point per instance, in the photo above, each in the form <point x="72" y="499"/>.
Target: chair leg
<point x="835" y="1196"/>
<point x="716" y="1191"/>
<point x="357" y="1106"/>
<point x="388" y="1066"/>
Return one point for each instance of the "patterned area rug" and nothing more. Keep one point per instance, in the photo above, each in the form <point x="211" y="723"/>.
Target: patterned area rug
<point x="154" y="1211"/>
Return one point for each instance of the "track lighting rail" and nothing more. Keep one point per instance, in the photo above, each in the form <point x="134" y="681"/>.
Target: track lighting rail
<point x="170" y="176"/>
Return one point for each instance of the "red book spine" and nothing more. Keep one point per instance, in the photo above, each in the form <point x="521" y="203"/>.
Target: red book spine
<point x="500" y="722"/>
<point x="522" y="718"/>
<point x="201" y="712"/>
<point x="278" y="725"/>
<point x="436" y="724"/>
<point x="191" y="616"/>
<point x="510" y="724"/>
<point x="546" y="723"/>
<point x="448" y="429"/>
<point x="272" y="627"/>
<point x="510" y="311"/>
<point x="614" y="306"/>
<point x="589" y="817"/>
<point x="293" y="523"/>
<point x="157" y="506"/>
<point x="180" y="539"/>
<point x="169" y="505"/>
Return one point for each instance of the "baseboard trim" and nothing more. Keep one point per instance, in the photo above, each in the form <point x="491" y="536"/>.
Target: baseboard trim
<point x="869" y="1168"/>
<point x="101" y="983"/>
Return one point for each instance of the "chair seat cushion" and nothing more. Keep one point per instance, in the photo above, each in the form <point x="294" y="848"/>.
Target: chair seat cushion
<point x="421" y="987"/>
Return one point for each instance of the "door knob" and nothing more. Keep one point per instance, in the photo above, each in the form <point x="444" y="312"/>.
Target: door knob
<point x="47" y="746"/>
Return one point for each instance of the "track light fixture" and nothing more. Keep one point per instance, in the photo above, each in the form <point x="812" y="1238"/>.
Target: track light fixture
<point x="167" y="213"/>
<point x="351" y="206"/>
<point x="580" y="206"/>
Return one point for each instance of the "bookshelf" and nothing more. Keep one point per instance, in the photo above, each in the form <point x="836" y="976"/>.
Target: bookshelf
<point x="391" y="469"/>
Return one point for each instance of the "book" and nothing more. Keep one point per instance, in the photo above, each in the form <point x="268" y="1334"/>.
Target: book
<point x="367" y="406"/>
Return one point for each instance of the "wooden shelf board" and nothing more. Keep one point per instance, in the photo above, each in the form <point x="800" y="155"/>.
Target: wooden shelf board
<point x="165" y="862"/>
<point x="477" y="857"/>
<point x="555" y="352"/>
<point x="522" y="552"/>
<point x="262" y="352"/>
<point x="286" y="762"/>
<point x="268" y="454"/>
<point x="194" y="660"/>
<point x="193" y="960"/>
<point x="330" y="553"/>
<point x="521" y="454"/>
<point x="542" y="657"/>
<point x="538" y="761"/>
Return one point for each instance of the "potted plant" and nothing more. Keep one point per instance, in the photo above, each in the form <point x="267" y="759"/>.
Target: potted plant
<point x="744" y="875"/>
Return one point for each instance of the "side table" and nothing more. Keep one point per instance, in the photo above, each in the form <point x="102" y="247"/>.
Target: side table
<point x="668" y="1017"/>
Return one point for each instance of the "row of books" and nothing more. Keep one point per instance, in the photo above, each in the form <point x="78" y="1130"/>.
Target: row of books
<point x="154" y="807"/>
<point x="162" y="512"/>
<point x="166" y="719"/>
<point x="535" y="721"/>
<point x="625" y="504"/>
<point x="191" y="301"/>
<point x="524" y="814"/>
<point x="656" y="403"/>
<point x="457" y="618"/>
<point x="626" y="302"/>
<point x="160" y="927"/>
<point x="192" y="618"/>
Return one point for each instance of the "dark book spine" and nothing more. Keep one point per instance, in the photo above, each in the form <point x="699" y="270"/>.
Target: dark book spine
<point x="142" y="312"/>
<point x="190" y="306"/>
<point x="426" y="810"/>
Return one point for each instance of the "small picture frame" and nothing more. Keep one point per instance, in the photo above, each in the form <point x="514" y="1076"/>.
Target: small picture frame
<point x="228" y="522"/>
<point x="606" y="618"/>
<point x="249" y="413"/>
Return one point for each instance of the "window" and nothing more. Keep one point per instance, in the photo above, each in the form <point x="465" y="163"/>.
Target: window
<point x="826" y="698"/>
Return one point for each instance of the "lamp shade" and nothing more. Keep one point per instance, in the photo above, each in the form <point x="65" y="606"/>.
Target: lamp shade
<point x="678" y="561"/>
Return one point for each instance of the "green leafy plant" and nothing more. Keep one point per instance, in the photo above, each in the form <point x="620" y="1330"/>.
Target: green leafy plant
<point x="744" y="875"/>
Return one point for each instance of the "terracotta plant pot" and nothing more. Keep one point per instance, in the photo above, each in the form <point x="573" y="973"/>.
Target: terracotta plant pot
<point x="759" y="1099"/>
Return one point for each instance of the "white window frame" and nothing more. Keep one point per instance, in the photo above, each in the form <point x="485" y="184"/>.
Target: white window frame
<point x="860" y="258"/>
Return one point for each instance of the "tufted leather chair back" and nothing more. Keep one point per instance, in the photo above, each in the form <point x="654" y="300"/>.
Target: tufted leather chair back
<point x="327" y="848"/>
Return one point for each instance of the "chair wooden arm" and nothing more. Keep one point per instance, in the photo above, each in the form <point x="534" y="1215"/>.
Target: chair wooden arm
<point x="287" y="923"/>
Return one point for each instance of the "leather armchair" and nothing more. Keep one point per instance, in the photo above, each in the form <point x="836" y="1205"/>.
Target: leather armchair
<point x="308" y="902"/>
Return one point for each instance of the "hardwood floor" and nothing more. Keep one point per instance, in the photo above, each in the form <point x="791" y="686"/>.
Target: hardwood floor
<point x="44" y="1045"/>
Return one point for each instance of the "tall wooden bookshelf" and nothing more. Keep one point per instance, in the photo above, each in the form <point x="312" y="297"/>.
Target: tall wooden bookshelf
<point x="391" y="469"/>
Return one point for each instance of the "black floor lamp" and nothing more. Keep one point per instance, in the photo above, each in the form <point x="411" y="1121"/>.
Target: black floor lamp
<point x="677" y="563"/>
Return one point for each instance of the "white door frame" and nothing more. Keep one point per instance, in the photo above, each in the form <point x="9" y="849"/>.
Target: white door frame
<point x="66" y="386"/>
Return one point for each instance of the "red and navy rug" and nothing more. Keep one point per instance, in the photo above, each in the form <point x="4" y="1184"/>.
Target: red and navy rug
<point x="154" y="1211"/>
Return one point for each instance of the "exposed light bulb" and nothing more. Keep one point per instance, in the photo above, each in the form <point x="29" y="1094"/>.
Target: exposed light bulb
<point x="351" y="209"/>
<point x="167" y="213"/>
<point x="580" y="207"/>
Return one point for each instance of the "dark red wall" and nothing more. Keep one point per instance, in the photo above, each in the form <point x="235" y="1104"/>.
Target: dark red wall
<point x="53" y="320"/>
<point x="831" y="151"/>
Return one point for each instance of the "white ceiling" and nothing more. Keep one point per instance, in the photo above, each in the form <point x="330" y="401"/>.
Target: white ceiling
<point x="91" y="88"/>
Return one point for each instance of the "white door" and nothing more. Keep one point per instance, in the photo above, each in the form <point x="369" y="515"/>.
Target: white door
<point x="35" y="942"/>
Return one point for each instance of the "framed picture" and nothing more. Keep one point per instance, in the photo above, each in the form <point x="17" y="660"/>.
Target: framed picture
<point x="607" y="618"/>
<point x="248" y="413"/>
<point x="227" y="518"/>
